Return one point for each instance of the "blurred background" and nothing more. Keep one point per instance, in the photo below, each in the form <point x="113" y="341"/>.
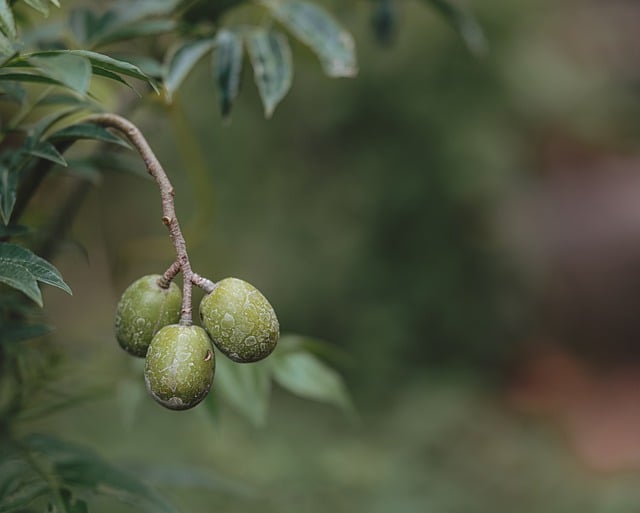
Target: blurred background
<point x="464" y="232"/>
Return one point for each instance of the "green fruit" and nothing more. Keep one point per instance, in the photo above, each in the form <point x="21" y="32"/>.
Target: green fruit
<point x="240" y="321"/>
<point x="179" y="367"/>
<point x="144" y="308"/>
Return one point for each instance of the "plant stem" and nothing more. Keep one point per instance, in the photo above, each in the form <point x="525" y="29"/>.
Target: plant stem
<point x="169" y="218"/>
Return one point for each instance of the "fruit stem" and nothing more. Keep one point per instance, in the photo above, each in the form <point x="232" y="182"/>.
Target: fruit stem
<point x="169" y="218"/>
<point x="165" y="280"/>
<point x="199" y="281"/>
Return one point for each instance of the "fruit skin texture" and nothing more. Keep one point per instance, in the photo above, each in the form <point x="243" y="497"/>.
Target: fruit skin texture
<point x="144" y="308"/>
<point x="180" y="366"/>
<point x="240" y="321"/>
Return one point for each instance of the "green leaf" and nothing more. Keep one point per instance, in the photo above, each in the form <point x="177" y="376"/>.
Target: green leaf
<point x="82" y="470"/>
<point x="19" y="483"/>
<point x="45" y="123"/>
<point x="228" y="68"/>
<point x="13" y="230"/>
<point x="28" y="77"/>
<point x="46" y="150"/>
<point x="113" y="76"/>
<point x="139" y="29"/>
<point x="305" y="375"/>
<point x="73" y="71"/>
<point x="180" y="61"/>
<point x="315" y="27"/>
<point x="463" y="20"/>
<point x="273" y="71"/>
<point x="87" y="131"/>
<point x="39" y="5"/>
<point x="17" y="331"/>
<point x="7" y="22"/>
<point x="106" y="63"/>
<point x="22" y="269"/>
<point x="14" y="91"/>
<point x="8" y="191"/>
<point x="245" y="387"/>
<point x="7" y="50"/>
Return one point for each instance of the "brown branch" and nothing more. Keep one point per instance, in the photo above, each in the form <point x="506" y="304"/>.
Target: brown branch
<point x="169" y="217"/>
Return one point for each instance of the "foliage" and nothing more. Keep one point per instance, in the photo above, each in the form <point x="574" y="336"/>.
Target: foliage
<point x="55" y="66"/>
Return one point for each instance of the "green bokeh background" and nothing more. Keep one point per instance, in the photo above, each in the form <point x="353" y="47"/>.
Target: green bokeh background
<point x="375" y="214"/>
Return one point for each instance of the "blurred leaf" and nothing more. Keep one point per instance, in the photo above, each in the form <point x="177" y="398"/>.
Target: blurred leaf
<point x="228" y="67"/>
<point x="7" y="50"/>
<point x="40" y="5"/>
<point x="190" y="477"/>
<point x="81" y="469"/>
<point x="463" y="20"/>
<point x="13" y="230"/>
<point x="130" y="394"/>
<point x="315" y="27"/>
<point x="88" y="131"/>
<point x="66" y="99"/>
<point x="17" y="331"/>
<point x="73" y="504"/>
<point x="14" y="91"/>
<point x="8" y="190"/>
<point x="140" y="29"/>
<point x="19" y="483"/>
<point x="246" y="387"/>
<point x="134" y="11"/>
<point x="180" y="61"/>
<point x="384" y="20"/>
<point x="272" y="67"/>
<point x="306" y="376"/>
<point x="22" y="269"/>
<point x="291" y="342"/>
<point x="43" y="124"/>
<point x="7" y="22"/>
<point x="84" y="22"/>
<point x="46" y="150"/>
<point x="74" y="71"/>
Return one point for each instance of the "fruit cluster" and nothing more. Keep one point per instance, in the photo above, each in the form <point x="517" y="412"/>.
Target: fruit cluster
<point x="180" y="360"/>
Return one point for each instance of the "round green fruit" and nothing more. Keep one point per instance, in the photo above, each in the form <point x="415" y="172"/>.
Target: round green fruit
<point x="240" y="321"/>
<point x="179" y="367"/>
<point x="144" y="308"/>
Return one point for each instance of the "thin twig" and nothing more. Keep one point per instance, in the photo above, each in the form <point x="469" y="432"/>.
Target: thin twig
<point x="169" y="218"/>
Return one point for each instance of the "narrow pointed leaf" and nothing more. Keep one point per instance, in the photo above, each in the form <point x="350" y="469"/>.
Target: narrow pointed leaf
<point x="464" y="22"/>
<point x="228" y="68"/>
<point x="46" y="150"/>
<point x="106" y="63"/>
<point x="272" y="67"/>
<point x="87" y="131"/>
<point x="7" y="22"/>
<point x="71" y="70"/>
<point x="8" y="190"/>
<point x="315" y="27"/>
<point x="39" y="5"/>
<point x="28" y="77"/>
<point x="181" y="60"/>
<point x="22" y="269"/>
<point x="305" y="375"/>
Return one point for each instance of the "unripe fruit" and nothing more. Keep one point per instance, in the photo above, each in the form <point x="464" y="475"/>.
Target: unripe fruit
<point x="179" y="367"/>
<point x="240" y="321"/>
<point x="144" y="308"/>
